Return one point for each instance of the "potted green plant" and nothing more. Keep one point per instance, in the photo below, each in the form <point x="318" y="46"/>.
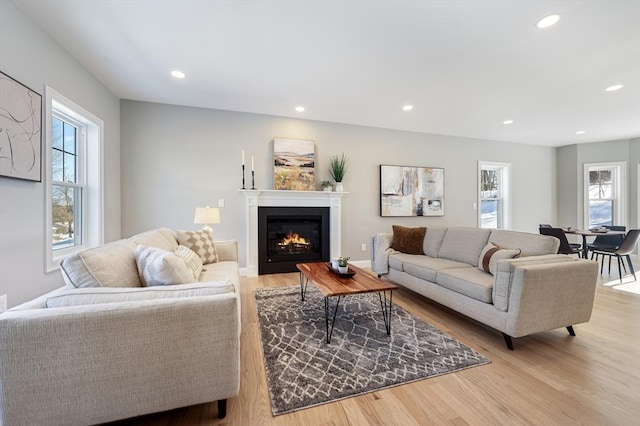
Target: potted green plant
<point x="338" y="168"/>
<point x="343" y="266"/>
<point x="326" y="185"/>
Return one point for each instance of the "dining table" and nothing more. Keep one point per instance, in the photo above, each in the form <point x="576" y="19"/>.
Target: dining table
<point x="589" y="233"/>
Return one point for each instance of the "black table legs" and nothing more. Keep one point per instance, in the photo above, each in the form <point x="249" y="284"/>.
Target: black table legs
<point x="385" y="306"/>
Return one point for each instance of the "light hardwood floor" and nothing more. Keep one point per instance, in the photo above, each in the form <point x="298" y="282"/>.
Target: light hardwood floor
<point x="550" y="379"/>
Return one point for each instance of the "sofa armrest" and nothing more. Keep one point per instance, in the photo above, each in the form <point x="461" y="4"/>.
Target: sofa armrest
<point x="96" y="363"/>
<point x="548" y="296"/>
<point x="380" y="250"/>
<point x="227" y="250"/>
<point x="505" y="270"/>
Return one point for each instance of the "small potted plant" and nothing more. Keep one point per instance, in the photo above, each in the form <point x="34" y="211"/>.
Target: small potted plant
<point x="338" y="168"/>
<point x="343" y="267"/>
<point x="326" y="185"/>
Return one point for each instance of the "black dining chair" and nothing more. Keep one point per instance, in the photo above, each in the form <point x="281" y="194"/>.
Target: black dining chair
<point x="607" y="243"/>
<point x="624" y="251"/>
<point x="565" y="247"/>
<point x="573" y="245"/>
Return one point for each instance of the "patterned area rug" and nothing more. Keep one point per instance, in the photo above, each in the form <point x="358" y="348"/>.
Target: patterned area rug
<point x="304" y="371"/>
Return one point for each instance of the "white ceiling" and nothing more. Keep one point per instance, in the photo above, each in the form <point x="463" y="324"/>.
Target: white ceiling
<point x="466" y="66"/>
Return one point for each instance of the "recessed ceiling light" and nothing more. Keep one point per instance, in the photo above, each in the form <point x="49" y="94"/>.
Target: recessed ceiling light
<point x="548" y="21"/>
<point x="507" y="122"/>
<point x="177" y="74"/>
<point x="614" y="88"/>
<point x="407" y="107"/>
<point x="580" y="132"/>
<point x="300" y="108"/>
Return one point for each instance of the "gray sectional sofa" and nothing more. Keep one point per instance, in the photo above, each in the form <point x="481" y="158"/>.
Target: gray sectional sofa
<point x="536" y="291"/>
<point x="113" y="349"/>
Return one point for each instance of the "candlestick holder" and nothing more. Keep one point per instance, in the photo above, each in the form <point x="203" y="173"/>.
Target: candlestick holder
<point x="243" y="187"/>
<point x="253" y="180"/>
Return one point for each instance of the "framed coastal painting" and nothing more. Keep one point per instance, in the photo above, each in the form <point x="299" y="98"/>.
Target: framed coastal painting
<point x="294" y="162"/>
<point x="20" y="130"/>
<point x="411" y="191"/>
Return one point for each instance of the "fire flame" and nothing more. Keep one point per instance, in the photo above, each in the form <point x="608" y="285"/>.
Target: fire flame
<point x="293" y="238"/>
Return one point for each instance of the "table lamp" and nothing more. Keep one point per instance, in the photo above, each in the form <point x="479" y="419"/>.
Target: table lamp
<point x="206" y="216"/>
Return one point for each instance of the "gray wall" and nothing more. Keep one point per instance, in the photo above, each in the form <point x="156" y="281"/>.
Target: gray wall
<point x="28" y="55"/>
<point x="571" y="161"/>
<point x="568" y="174"/>
<point x="176" y="158"/>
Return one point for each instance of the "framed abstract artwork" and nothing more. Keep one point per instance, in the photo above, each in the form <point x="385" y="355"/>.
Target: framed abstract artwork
<point x="411" y="191"/>
<point x="294" y="162"/>
<point x="20" y="130"/>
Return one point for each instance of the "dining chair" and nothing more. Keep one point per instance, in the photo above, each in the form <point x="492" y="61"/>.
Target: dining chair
<point x="608" y="243"/>
<point x="573" y="245"/>
<point x="624" y="251"/>
<point x="565" y="247"/>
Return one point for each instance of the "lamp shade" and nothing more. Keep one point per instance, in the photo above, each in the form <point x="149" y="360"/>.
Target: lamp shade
<point x="207" y="215"/>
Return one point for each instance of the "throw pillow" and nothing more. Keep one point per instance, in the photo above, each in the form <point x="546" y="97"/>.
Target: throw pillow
<point x="408" y="240"/>
<point x="491" y="254"/>
<point x="191" y="259"/>
<point x="109" y="265"/>
<point x="201" y="242"/>
<point x="161" y="267"/>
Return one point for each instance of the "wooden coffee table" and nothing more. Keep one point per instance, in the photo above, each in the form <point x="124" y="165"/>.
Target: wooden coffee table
<point x="331" y="284"/>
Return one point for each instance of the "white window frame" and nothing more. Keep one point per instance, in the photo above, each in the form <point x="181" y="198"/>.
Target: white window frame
<point x="619" y="188"/>
<point x="505" y="189"/>
<point x="90" y="169"/>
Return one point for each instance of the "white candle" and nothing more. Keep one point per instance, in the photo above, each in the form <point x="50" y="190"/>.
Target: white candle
<point x="243" y="157"/>
<point x="252" y="163"/>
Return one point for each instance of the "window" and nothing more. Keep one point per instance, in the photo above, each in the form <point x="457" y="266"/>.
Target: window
<point x="604" y="194"/>
<point x="67" y="183"/>
<point x="493" y="181"/>
<point x="73" y="178"/>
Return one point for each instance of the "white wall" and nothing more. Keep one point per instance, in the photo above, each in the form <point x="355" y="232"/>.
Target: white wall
<point x="176" y="158"/>
<point x="28" y="55"/>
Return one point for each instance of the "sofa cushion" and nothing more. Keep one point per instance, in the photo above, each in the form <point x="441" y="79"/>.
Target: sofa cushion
<point x="469" y="281"/>
<point x="162" y="267"/>
<point x="225" y="270"/>
<point x="529" y="244"/>
<point x="408" y="240"/>
<point x="426" y="267"/>
<point x="200" y="242"/>
<point x="396" y="260"/>
<point x="90" y="296"/>
<point x="160" y="238"/>
<point x="506" y="269"/>
<point x="109" y="265"/>
<point x="464" y="244"/>
<point x="491" y="254"/>
<point x="433" y="240"/>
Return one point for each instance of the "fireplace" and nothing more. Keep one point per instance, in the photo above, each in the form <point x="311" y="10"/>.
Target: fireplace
<point x="290" y="235"/>
<point x="254" y="199"/>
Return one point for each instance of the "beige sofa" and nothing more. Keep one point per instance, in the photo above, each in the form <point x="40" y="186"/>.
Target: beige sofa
<point x="537" y="291"/>
<point x="78" y="356"/>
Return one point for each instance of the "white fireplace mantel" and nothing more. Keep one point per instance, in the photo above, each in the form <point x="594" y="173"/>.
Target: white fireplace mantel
<point x="275" y="198"/>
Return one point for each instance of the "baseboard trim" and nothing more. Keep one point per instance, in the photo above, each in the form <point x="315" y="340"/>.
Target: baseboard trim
<point x="361" y="263"/>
